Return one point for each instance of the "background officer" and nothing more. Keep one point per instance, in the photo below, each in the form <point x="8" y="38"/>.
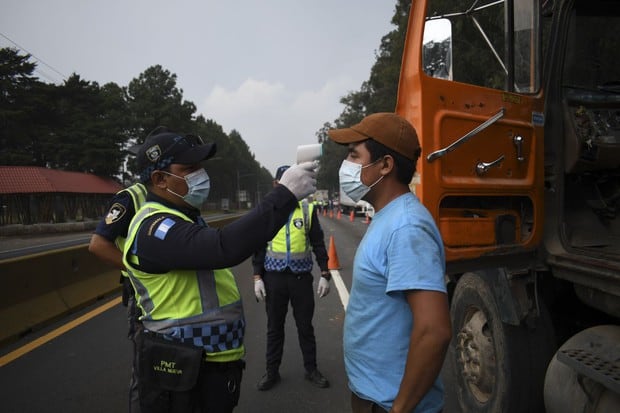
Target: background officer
<point x="282" y="273"/>
<point x="106" y="243"/>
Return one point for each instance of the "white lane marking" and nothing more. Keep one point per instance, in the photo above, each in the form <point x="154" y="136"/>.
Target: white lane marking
<point x="342" y="289"/>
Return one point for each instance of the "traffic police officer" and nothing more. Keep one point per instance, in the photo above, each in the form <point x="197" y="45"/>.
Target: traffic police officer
<point x="179" y="267"/>
<point x="282" y="273"/>
<point x="107" y="243"/>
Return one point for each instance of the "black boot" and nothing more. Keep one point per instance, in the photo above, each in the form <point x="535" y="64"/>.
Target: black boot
<point x="315" y="377"/>
<point x="268" y="380"/>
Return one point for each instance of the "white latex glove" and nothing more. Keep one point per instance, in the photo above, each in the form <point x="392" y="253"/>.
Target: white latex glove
<point x="300" y="179"/>
<point x="259" y="289"/>
<point x="323" y="289"/>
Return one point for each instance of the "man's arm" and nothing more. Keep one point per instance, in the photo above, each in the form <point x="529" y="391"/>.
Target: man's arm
<point x="106" y="251"/>
<point x="113" y="225"/>
<point x="427" y="347"/>
<point x="179" y="244"/>
<point x="258" y="261"/>
<point x="317" y="241"/>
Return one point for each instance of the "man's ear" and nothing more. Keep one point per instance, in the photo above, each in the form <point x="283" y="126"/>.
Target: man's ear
<point x="158" y="180"/>
<point x="387" y="165"/>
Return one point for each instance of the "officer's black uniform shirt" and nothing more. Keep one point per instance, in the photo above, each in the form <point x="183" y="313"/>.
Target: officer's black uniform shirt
<point x="179" y="244"/>
<point x="117" y="219"/>
<point x="315" y="235"/>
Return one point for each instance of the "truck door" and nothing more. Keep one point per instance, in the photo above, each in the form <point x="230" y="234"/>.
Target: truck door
<point x="470" y="84"/>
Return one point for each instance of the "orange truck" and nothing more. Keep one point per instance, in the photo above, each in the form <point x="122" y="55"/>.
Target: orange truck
<point x="517" y="105"/>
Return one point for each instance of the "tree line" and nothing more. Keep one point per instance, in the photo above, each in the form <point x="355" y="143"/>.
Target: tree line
<point x="82" y="126"/>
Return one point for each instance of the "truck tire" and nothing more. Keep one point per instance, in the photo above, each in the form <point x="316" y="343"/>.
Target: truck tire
<point x="497" y="367"/>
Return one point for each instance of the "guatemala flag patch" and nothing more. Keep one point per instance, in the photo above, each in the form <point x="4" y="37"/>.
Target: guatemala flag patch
<point x="163" y="227"/>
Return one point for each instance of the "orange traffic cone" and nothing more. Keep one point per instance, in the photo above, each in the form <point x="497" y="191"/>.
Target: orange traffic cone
<point x="352" y="216"/>
<point x="332" y="256"/>
<point x="331" y="213"/>
<point x="339" y="214"/>
<point x="324" y="212"/>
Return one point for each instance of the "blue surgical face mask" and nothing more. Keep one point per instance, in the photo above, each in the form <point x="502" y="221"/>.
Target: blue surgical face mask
<point x="198" y="187"/>
<point x="350" y="175"/>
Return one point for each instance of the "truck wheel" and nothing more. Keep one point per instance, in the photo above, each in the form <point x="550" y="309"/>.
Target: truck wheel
<point x="498" y="368"/>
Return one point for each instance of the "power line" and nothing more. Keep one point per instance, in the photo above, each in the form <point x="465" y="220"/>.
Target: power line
<point x="35" y="57"/>
<point x="47" y="76"/>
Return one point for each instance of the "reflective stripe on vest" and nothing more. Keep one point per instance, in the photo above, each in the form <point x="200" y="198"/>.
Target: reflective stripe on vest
<point x="137" y="192"/>
<point x="202" y="307"/>
<point x="291" y="247"/>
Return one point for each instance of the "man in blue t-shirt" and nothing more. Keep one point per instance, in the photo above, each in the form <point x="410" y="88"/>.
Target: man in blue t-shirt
<point x="397" y="324"/>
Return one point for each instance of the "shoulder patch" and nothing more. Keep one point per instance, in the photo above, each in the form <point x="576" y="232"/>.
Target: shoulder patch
<point x="115" y="213"/>
<point x="162" y="229"/>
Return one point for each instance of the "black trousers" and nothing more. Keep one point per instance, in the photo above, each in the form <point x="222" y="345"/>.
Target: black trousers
<point x="134" y="324"/>
<point x="282" y="288"/>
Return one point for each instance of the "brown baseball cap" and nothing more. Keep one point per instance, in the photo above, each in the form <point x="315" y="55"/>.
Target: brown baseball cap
<point x="387" y="128"/>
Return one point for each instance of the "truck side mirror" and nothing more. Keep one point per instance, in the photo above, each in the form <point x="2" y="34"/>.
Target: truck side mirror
<point x="437" y="48"/>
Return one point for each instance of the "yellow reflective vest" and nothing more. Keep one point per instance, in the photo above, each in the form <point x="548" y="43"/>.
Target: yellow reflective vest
<point x="291" y="246"/>
<point x="202" y="307"/>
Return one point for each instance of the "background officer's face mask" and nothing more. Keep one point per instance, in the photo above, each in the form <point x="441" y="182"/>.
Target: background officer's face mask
<point x="198" y="187"/>
<point x="350" y="175"/>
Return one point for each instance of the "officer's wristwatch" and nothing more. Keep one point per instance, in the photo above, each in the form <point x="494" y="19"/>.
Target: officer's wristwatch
<point x="327" y="275"/>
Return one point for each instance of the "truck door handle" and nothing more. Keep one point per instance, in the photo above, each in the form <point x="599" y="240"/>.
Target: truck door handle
<point x="518" y="141"/>
<point x="483" y="167"/>
<point x="441" y="152"/>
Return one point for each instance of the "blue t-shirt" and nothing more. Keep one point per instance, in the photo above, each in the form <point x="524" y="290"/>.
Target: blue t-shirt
<point x="401" y="250"/>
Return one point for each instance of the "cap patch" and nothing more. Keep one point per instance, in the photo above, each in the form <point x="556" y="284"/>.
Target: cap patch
<point x="153" y="153"/>
<point x="162" y="229"/>
<point x="115" y="213"/>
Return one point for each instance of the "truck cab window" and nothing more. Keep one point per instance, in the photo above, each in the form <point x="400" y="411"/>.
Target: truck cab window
<point x="489" y="44"/>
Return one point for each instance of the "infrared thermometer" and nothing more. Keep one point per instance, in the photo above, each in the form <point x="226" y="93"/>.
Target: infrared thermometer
<point x="309" y="153"/>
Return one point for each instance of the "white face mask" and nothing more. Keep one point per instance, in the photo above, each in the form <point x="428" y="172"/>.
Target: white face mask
<point x="198" y="187"/>
<point x="350" y="175"/>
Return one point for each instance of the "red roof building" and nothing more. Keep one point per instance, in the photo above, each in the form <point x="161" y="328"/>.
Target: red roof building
<point x="34" y="179"/>
<point x="31" y="194"/>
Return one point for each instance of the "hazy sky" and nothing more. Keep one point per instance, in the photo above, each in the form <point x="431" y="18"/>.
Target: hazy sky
<point x="274" y="70"/>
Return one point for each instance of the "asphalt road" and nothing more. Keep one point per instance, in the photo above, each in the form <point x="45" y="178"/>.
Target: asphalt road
<point x="19" y="245"/>
<point x="86" y="368"/>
